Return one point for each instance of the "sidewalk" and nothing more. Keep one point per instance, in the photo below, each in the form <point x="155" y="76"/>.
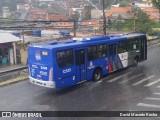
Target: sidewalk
<point x="12" y="73"/>
<point x="9" y="67"/>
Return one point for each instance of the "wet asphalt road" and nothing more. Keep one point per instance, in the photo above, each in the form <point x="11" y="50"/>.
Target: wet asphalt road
<point x="134" y="88"/>
<point x="4" y="77"/>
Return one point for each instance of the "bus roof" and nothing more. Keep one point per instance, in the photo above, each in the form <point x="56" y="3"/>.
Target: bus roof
<point x="83" y="41"/>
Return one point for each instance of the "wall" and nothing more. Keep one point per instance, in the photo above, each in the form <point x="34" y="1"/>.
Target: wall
<point x="24" y="55"/>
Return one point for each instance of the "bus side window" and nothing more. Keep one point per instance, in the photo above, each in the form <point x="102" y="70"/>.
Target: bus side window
<point x="129" y="45"/>
<point x="142" y="41"/>
<point x="92" y="52"/>
<point x="136" y="43"/>
<point x="65" y="58"/>
<point x="80" y="57"/>
<point x="121" y="46"/>
<point x="112" y="50"/>
<point x="102" y="50"/>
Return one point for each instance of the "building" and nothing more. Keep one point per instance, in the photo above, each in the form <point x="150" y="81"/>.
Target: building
<point x="23" y="7"/>
<point x="92" y="22"/>
<point x="112" y="10"/>
<point x="144" y="4"/>
<point x="73" y="10"/>
<point x="152" y="12"/>
<point x="8" y="52"/>
<point x="147" y="1"/>
<point x="5" y="12"/>
<point x="46" y="0"/>
<point x="40" y="14"/>
<point x="96" y="14"/>
<point x="120" y="16"/>
<point x="64" y="24"/>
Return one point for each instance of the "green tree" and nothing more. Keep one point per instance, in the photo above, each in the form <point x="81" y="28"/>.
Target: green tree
<point x="87" y="10"/>
<point x="143" y="23"/>
<point x="124" y="3"/>
<point x="75" y="16"/>
<point x="156" y="3"/>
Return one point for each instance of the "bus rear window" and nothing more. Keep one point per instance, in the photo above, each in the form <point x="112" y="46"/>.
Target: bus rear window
<point x="65" y="58"/>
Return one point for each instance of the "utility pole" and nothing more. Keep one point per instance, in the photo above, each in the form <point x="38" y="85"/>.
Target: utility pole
<point x="159" y="11"/>
<point x="74" y="27"/>
<point x="134" y="24"/>
<point x="104" y="18"/>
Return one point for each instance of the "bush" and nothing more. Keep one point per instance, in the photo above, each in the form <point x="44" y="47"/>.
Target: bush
<point x="153" y="33"/>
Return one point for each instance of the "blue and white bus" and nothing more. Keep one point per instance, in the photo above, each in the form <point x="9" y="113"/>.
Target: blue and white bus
<point x="70" y="62"/>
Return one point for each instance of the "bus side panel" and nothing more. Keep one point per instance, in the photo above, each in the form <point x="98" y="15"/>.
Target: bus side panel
<point x="65" y="76"/>
<point x="92" y="65"/>
<point x="123" y="60"/>
<point x="131" y="56"/>
<point x="66" y="82"/>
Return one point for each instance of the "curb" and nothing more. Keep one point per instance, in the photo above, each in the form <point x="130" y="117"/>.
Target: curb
<point x="12" y="70"/>
<point x="13" y="80"/>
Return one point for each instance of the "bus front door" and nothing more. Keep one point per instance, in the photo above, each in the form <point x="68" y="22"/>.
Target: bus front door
<point x="112" y="58"/>
<point x="80" y="65"/>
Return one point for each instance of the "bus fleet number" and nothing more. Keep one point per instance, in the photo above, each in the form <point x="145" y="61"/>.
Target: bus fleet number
<point x="67" y="70"/>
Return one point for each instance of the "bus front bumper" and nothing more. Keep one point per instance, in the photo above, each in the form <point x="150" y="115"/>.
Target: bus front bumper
<point x="48" y="84"/>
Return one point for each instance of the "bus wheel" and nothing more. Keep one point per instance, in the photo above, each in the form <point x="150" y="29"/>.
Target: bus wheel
<point x="135" y="62"/>
<point x="97" y="74"/>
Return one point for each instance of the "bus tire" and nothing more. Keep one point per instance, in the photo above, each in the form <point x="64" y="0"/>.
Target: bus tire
<point x="97" y="74"/>
<point x="135" y="61"/>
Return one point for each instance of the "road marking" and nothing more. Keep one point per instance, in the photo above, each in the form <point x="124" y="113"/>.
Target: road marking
<point x="152" y="98"/>
<point x="124" y="81"/>
<point x="143" y="80"/>
<point x="117" y="78"/>
<point x="96" y="84"/>
<point x="158" y="87"/>
<point x="13" y="80"/>
<point x="148" y="105"/>
<point x="156" y="93"/>
<point x="152" y="83"/>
